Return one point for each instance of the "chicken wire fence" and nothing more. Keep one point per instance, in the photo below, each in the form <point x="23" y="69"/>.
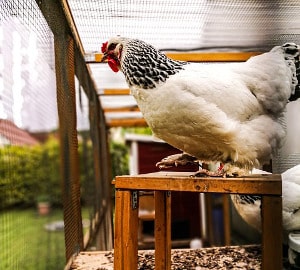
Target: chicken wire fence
<point x="47" y="144"/>
<point x="188" y="25"/>
<point x="30" y="33"/>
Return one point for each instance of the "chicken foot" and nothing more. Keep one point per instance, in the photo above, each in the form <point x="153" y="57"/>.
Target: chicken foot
<point x="175" y="160"/>
<point x="183" y="159"/>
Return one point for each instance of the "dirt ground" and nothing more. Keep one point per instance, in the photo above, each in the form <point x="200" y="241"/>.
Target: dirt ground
<point x="236" y="257"/>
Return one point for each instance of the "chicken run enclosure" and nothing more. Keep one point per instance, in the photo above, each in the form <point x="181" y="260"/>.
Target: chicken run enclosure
<point x="59" y="106"/>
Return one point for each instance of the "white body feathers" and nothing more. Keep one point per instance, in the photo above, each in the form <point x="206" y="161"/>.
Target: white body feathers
<point x="219" y="112"/>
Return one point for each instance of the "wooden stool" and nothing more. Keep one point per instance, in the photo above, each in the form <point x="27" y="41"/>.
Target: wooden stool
<point x="162" y="183"/>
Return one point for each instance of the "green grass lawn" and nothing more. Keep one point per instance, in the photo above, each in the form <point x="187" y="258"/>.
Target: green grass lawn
<point x="26" y="245"/>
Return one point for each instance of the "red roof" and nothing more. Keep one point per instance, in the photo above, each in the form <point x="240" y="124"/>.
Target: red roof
<point x="15" y="135"/>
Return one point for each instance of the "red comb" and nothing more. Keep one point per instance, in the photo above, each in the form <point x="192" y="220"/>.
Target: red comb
<point x="104" y="46"/>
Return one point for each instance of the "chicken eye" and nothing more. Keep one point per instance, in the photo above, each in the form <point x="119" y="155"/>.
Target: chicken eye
<point x="112" y="46"/>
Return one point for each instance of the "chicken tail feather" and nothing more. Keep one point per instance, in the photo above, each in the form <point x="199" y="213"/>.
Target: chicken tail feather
<point x="291" y="53"/>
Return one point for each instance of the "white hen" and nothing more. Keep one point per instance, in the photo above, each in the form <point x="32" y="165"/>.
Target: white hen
<point x="220" y="112"/>
<point x="248" y="206"/>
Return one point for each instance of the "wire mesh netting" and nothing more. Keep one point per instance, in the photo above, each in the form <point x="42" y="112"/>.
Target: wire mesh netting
<point x="27" y="115"/>
<point x="31" y="237"/>
<point x="30" y="153"/>
<point x="188" y="24"/>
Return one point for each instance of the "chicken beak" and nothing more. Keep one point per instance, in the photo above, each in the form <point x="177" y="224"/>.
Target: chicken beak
<point x="105" y="56"/>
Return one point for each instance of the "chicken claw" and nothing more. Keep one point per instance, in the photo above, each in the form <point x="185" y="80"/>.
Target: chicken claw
<point x="224" y="171"/>
<point x="175" y="160"/>
<point x="207" y="173"/>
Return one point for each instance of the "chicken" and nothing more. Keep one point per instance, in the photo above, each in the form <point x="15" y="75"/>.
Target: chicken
<point x="248" y="206"/>
<point x="229" y="113"/>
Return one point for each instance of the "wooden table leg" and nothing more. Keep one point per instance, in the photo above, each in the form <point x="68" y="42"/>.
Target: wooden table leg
<point x="271" y="232"/>
<point x="126" y="231"/>
<point x="226" y="219"/>
<point x="209" y="219"/>
<point x="162" y="230"/>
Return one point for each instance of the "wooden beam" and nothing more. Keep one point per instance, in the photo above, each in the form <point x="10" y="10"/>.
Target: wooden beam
<point x="199" y="56"/>
<point x="226" y="219"/>
<point x="65" y="83"/>
<point x="162" y="230"/>
<point x="115" y="92"/>
<point x="122" y="109"/>
<point x="72" y="25"/>
<point x="136" y="122"/>
<point x="212" y="56"/>
<point x="271" y="245"/>
<point x="126" y="232"/>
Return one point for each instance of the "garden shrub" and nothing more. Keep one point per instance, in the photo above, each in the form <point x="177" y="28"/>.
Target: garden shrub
<point x="30" y="173"/>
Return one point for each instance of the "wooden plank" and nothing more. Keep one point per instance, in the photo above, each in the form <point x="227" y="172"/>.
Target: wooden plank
<point x="122" y="109"/>
<point x="199" y="56"/>
<point x="115" y="92"/>
<point x="181" y="181"/>
<point x="71" y="24"/>
<point x="212" y="56"/>
<point x="118" y="235"/>
<point x="162" y="230"/>
<point x="226" y="219"/>
<point x="134" y="122"/>
<point x="126" y="232"/>
<point x="209" y="219"/>
<point x="271" y="232"/>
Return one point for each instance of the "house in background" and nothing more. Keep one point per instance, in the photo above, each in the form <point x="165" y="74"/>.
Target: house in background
<point x="10" y="134"/>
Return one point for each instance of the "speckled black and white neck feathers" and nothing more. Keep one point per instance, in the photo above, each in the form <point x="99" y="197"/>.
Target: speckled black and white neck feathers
<point x="292" y="55"/>
<point x="248" y="199"/>
<point x="145" y="67"/>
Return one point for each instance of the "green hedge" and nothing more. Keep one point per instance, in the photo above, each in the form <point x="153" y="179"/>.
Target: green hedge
<point x="29" y="174"/>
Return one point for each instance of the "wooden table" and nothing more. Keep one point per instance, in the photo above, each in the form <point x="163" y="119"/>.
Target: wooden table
<point x="162" y="183"/>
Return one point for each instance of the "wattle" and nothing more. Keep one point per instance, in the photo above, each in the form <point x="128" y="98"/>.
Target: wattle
<point x="104" y="47"/>
<point x="113" y="64"/>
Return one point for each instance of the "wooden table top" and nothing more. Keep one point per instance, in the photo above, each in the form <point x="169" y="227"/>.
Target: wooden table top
<point x="264" y="184"/>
